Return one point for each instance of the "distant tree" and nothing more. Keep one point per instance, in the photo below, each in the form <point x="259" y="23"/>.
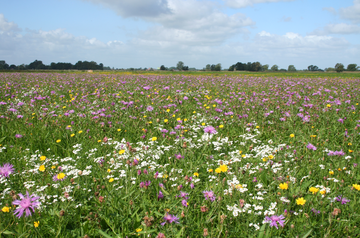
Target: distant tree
<point x="185" y="68"/>
<point x="291" y="68"/>
<point x="180" y="65"/>
<point x="339" y="67"/>
<point x="217" y="67"/>
<point x="329" y="69"/>
<point x="352" y="67"/>
<point x="256" y="66"/>
<point x="313" y="68"/>
<point x="231" y="68"/>
<point x="274" y="68"/>
<point x="162" y="67"/>
<point x="265" y="67"/>
<point x="208" y="67"/>
<point x="37" y="64"/>
<point x="12" y="66"/>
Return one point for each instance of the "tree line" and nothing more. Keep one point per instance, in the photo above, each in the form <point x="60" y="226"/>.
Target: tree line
<point x="38" y="65"/>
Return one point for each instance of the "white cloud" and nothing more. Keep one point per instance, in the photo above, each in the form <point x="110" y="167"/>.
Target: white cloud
<point x="340" y="28"/>
<point x="6" y="26"/>
<point x="247" y="3"/>
<point x="351" y="13"/>
<point x="136" y="8"/>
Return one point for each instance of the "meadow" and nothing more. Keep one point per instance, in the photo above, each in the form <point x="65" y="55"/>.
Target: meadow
<point x="179" y="155"/>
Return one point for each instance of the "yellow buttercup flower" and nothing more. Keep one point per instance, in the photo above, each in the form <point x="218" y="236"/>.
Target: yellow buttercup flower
<point x="154" y="139"/>
<point x="36" y="223"/>
<point x="111" y="180"/>
<point x="328" y="105"/>
<point x="58" y="141"/>
<point x="121" y="152"/>
<point x="218" y="170"/>
<point x="300" y="201"/>
<point x="118" y="129"/>
<point x="166" y="120"/>
<point x="211" y="170"/>
<point x="323" y="192"/>
<point x="138" y="230"/>
<point x="203" y="124"/>
<point x="60" y="176"/>
<point x="43" y="157"/>
<point x="283" y="186"/>
<point x="221" y="126"/>
<point x="313" y="190"/>
<point x="5" y="209"/>
<point x="72" y="135"/>
<point x="42" y="168"/>
<point x="223" y="168"/>
<point x="356" y="186"/>
<point x="292" y="135"/>
<point x="331" y="172"/>
<point x="196" y="174"/>
<point x="80" y="132"/>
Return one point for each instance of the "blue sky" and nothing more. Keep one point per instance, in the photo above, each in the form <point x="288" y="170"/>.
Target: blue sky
<point x="150" y="33"/>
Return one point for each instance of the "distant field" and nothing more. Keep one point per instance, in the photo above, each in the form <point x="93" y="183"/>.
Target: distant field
<point x="179" y="154"/>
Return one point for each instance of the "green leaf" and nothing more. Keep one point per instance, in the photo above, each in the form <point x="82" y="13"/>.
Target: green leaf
<point x="1" y="140"/>
<point x="306" y="234"/>
<point x="262" y="229"/>
<point x="104" y="234"/>
<point x="7" y="233"/>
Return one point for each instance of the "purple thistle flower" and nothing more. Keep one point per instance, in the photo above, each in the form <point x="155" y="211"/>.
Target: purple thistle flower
<point x="184" y="203"/>
<point x="210" y="130"/>
<point x="18" y="136"/>
<point x="26" y="204"/>
<point x="183" y="195"/>
<point x="170" y="219"/>
<point x="342" y="199"/>
<point x="179" y="156"/>
<point x="160" y="195"/>
<point x="6" y="170"/>
<point x="311" y="146"/>
<point x="149" y="108"/>
<point x="209" y="195"/>
<point x="273" y="220"/>
<point x="192" y="186"/>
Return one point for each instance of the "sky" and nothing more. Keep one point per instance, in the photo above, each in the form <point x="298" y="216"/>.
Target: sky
<point x="151" y="33"/>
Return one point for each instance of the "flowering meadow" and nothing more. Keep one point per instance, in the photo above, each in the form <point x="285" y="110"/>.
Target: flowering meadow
<point x="122" y="155"/>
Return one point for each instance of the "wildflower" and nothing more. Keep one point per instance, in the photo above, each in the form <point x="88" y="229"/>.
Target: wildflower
<point x="80" y="132"/>
<point x="342" y="199"/>
<point x="210" y="170"/>
<point x="58" y="141"/>
<point x="331" y="172"/>
<point x="5" y="209"/>
<point x="6" y="170"/>
<point x="223" y="168"/>
<point x="210" y="130"/>
<point x="42" y="168"/>
<point x="154" y="139"/>
<point x="118" y="129"/>
<point x="138" y="230"/>
<point x="160" y="195"/>
<point x="59" y="177"/>
<point x="161" y="235"/>
<point x="26" y="204"/>
<point x="356" y="186"/>
<point x="311" y="147"/>
<point x="196" y="174"/>
<point x="111" y="180"/>
<point x="221" y="126"/>
<point x="42" y="157"/>
<point x="149" y="108"/>
<point x="218" y="170"/>
<point x="209" y="195"/>
<point x="254" y="180"/>
<point x="18" y="136"/>
<point x="276" y="219"/>
<point x="313" y="190"/>
<point x="179" y="156"/>
<point x="300" y="201"/>
<point x="36" y="224"/>
<point x="184" y="203"/>
<point x="121" y="152"/>
<point x="283" y="186"/>
<point x="323" y="192"/>
<point x="170" y="219"/>
<point x="328" y="105"/>
<point x="72" y="135"/>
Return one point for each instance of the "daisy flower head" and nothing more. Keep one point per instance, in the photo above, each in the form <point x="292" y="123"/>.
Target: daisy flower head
<point x="27" y="204"/>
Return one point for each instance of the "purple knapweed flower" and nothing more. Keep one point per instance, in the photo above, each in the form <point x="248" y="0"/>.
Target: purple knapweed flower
<point x="170" y="219"/>
<point x="210" y="130"/>
<point x="146" y="87"/>
<point x="184" y="203"/>
<point x="183" y="195"/>
<point x="179" y="156"/>
<point x="342" y="199"/>
<point x="273" y="220"/>
<point x="26" y="204"/>
<point x="6" y="170"/>
<point x="160" y="195"/>
<point x="209" y="195"/>
<point x="149" y="108"/>
<point x="311" y="146"/>
<point x="18" y="136"/>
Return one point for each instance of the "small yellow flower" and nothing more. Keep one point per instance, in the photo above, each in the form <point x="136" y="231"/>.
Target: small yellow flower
<point x="257" y="127"/>
<point x="173" y="115"/>
<point x="313" y="190"/>
<point x="283" y="186"/>
<point x="221" y="126"/>
<point x="64" y="107"/>
<point x="323" y="192"/>
<point x="111" y="180"/>
<point x="58" y="141"/>
<point x="60" y="176"/>
<point x="138" y="230"/>
<point x="178" y="119"/>
<point x="154" y="139"/>
<point x="264" y="159"/>
<point x="43" y="157"/>
<point x="53" y="167"/>
<point x="72" y="135"/>
<point x="121" y="152"/>
<point x="5" y="209"/>
<point x="36" y="223"/>
<point x="203" y="124"/>
<point x="165" y="176"/>
<point x="328" y="105"/>
<point x="331" y="172"/>
<point x="223" y="168"/>
<point x="300" y="201"/>
<point x="118" y="129"/>
<point x="243" y="156"/>
<point x="292" y="135"/>
<point x="350" y="143"/>
<point x="166" y="120"/>
<point x="238" y="186"/>
<point x="168" y="110"/>
<point x="339" y="169"/>
<point x="356" y="186"/>
<point x="42" y="168"/>
<point x="194" y="111"/>
<point x="109" y="170"/>
<point x="185" y="119"/>
<point x="218" y="170"/>
<point x="350" y="151"/>
<point x="270" y="156"/>
<point x="80" y="132"/>
<point x="196" y="174"/>
<point x="211" y="170"/>
<point x="99" y="141"/>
